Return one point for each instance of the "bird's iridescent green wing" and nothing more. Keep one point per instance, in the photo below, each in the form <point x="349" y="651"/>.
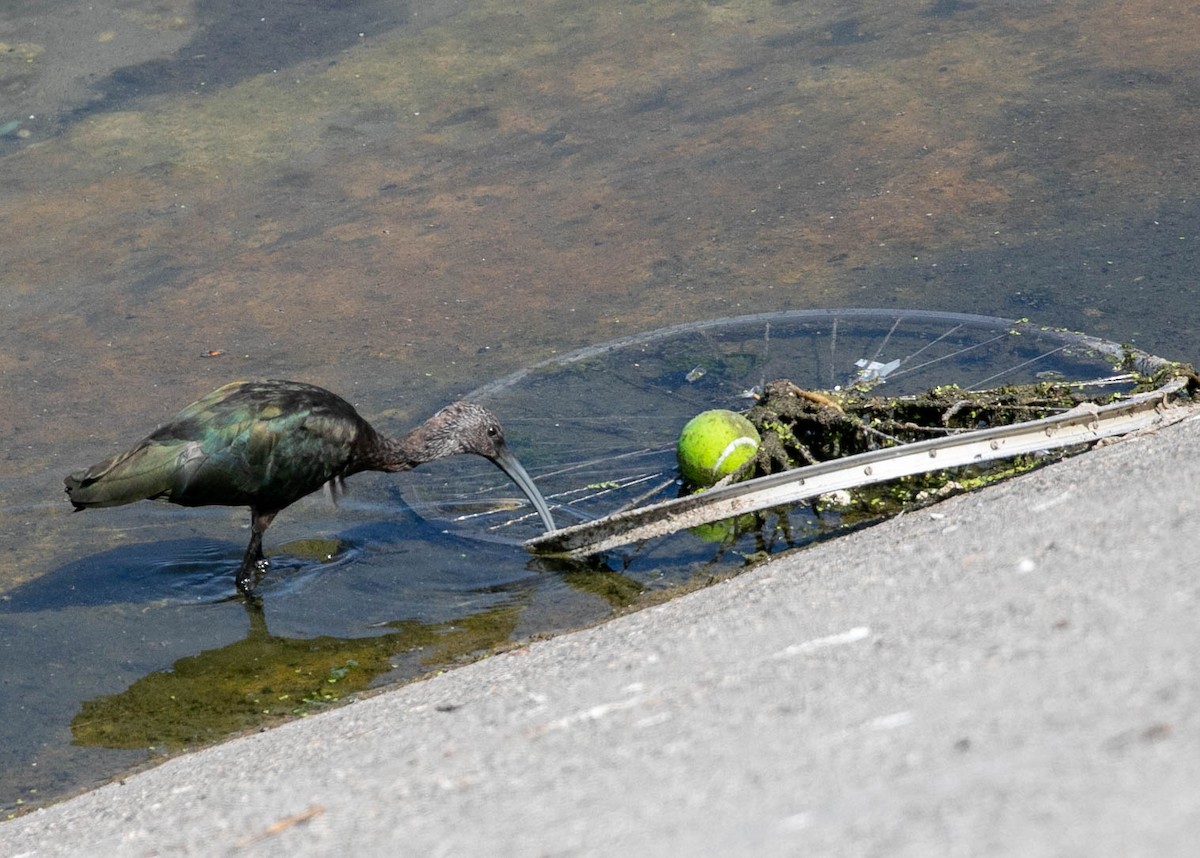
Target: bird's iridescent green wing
<point x="270" y="447"/>
<point x="261" y="444"/>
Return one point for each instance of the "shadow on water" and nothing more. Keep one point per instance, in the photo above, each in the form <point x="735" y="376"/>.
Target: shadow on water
<point x="176" y="570"/>
<point x="192" y="571"/>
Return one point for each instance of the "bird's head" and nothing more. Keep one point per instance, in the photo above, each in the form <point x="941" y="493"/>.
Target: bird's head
<point x="461" y="427"/>
<point x="467" y="427"/>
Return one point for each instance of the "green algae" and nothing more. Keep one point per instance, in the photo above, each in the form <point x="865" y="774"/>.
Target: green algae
<point x="263" y="679"/>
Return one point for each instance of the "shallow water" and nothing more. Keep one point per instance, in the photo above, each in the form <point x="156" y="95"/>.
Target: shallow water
<point x="404" y="202"/>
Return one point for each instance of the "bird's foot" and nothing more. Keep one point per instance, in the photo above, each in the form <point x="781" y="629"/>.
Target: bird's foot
<point x="249" y="576"/>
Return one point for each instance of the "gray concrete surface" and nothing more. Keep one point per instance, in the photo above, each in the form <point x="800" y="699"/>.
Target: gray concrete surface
<point x="1012" y="672"/>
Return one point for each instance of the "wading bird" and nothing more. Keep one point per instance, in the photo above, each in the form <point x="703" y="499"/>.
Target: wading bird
<point x="266" y="444"/>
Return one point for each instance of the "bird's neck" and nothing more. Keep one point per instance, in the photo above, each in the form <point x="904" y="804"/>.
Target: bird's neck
<point x="399" y="454"/>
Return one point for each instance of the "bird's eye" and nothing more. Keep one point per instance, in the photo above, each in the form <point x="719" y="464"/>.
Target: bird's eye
<point x="493" y="431"/>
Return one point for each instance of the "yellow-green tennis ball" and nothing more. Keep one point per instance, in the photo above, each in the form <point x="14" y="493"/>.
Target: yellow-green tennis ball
<point x="714" y="444"/>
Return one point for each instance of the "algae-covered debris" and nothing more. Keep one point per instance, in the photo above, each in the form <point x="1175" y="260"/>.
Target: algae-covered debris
<point x="801" y="427"/>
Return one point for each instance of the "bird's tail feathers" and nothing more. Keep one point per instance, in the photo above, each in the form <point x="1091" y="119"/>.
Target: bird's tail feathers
<point x="147" y="471"/>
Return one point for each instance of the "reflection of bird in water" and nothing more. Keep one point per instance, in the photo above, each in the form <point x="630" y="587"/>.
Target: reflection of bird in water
<point x="266" y="444"/>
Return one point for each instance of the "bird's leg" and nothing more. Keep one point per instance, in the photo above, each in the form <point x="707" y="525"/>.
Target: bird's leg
<point x="248" y="574"/>
<point x="253" y="562"/>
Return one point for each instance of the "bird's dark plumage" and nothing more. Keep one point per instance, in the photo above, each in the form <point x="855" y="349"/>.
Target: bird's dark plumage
<point x="266" y="444"/>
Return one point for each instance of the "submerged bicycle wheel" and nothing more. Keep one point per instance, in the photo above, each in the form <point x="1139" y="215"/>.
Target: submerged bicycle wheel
<point x="597" y="427"/>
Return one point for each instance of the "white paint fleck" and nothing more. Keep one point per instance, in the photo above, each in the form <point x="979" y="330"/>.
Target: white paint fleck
<point x="849" y="636"/>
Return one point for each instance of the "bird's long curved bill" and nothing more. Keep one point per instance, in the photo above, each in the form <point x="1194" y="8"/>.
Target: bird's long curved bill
<point x="507" y="462"/>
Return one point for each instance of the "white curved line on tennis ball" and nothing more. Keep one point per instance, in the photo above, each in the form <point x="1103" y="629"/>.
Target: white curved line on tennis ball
<point x="730" y="449"/>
